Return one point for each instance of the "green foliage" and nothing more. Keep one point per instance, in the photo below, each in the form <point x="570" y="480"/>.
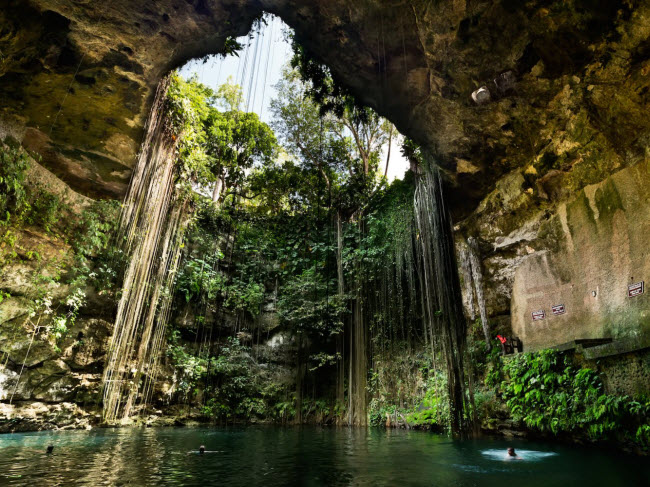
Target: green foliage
<point x="494" y="368"/>
<point x="306" y="306"/>
<point x="489" y="407"/>
<point x="328" y="94"/>
<point x="231" y="47"/>
<point x="405" y="387"/>
<point x="236" y="393"/>
<point x="231" y="384"/>
<point x="13" y="195"/>
<point x="235" y="141"/>
<point x="214" y="144"/>
<point x="96" y="228"/>
<point x="434" y="408"/>
<point x="187" y="105"/>
<point x="245" y="296"/>
<point x="190" y="368"/>
<point x="412" y="152"/>
<point x="61" y="323"/>
<point x="550" y="394"/>
<point x="87" y="233"/>
<point x="201" y="277"/>
<point x="24" y="202"/>
<point x="98" y="259"/>
<point x="378" y="412"/>
<point x="341" y="150"/>
<point x="46" y="212"/>
<point x="279" y="236"/>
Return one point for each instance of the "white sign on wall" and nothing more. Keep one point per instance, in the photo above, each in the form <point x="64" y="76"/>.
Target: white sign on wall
<point x="635" y="289"/>
<point x="539" y="315"/>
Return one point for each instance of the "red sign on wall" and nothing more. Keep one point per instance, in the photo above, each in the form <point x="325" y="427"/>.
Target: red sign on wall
<point x="539" y="315"/>
<point x="635" y="289"/>
<point x="558" y="309"/>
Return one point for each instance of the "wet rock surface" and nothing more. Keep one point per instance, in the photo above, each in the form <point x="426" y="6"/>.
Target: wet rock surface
<point x="38" y="416"/>
<point x="67" y="371"/>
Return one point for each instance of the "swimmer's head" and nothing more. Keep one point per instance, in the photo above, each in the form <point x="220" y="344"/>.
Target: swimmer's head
<point x="511" y="452"/>
<point x="202" y="449"/>
<point x="50" y="449"/>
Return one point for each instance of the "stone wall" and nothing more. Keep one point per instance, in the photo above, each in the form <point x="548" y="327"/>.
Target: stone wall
<point x="626" y="374"/>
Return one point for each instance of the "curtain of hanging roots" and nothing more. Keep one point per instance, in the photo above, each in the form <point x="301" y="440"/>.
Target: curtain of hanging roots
<point x="358" y="351"/>
<point x="359" y="364"/>
<point x="442" y="298"/>
<point x="151" y="227"/>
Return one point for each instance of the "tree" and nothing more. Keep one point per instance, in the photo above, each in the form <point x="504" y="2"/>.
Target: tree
<point x="220" y="142"/>
<point x="344" y="146"/>
<point x="235" y="142"/>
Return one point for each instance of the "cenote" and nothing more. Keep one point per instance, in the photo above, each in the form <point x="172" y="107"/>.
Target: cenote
<point x="334" y="242"/>
<point x="307" y="456"/>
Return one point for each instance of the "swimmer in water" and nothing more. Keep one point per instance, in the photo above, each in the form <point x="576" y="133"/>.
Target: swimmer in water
<point x="50" y="449"/>
<point x="201" y="449"/>
<point x="512" y="455"/>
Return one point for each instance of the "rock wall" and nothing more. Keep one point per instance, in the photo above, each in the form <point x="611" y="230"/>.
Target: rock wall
<point x="539" y="254"/>
<point x="81" y="76"/>
<point x="36" y="369"/>
<point x="625" y="374"/>
<point x="597" y="247"/>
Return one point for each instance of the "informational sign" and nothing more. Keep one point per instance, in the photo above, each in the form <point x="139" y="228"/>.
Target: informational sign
<point x="539" y="315"/>
<point x="558" y="309"/>
<point x="635" y="289"/>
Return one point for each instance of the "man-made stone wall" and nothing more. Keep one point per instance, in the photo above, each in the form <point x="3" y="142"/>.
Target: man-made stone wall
<point x="626" y="374"/>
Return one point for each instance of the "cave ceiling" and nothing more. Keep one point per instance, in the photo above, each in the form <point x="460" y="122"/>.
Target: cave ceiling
<point x="568" y="81"/>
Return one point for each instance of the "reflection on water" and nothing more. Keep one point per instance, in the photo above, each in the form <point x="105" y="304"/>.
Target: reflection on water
<point x="302" y="457"/>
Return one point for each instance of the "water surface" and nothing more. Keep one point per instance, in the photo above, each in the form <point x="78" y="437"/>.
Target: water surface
<point x="309" y="456"/>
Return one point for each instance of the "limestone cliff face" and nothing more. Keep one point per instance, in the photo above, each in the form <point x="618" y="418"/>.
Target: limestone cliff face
<point x="597" y="248"/>
<point x="37" y="369"/>
<point x="568" y="84"/>
<point x="81" y="75"/>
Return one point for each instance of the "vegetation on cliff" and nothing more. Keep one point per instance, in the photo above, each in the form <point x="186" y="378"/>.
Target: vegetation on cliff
<point x="550" y="394"/>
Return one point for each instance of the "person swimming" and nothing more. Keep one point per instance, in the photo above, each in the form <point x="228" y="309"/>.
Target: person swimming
<point x="50" y="449"/>
<point x="512" y="454"/>
<point x="203" y="451"/>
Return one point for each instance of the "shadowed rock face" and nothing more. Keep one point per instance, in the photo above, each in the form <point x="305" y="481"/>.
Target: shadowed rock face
<point x="81" y="75"/>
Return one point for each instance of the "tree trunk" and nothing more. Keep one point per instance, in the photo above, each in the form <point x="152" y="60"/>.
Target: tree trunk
<point x="218" y="187"/>
<point x="390" y="143"/>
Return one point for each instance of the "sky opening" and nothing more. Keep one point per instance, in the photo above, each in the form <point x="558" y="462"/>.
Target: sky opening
<point x="258" y="68"/>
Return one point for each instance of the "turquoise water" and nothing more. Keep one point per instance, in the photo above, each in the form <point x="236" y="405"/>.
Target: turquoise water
<point x="309" y="456"/>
